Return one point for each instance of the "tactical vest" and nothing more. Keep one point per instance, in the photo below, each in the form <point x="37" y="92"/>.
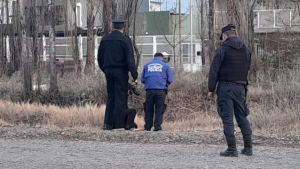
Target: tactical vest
<point x="234" y="66"/>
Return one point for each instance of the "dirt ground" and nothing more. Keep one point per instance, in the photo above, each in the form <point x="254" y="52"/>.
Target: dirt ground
<point x="57" y="148"/>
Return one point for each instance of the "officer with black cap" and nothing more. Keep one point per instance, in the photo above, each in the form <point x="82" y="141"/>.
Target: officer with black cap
<point x="116" y="58"/>
<point x="230" y="68"/>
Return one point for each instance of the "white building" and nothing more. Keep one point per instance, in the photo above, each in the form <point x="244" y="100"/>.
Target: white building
<point x="146" y="5"/>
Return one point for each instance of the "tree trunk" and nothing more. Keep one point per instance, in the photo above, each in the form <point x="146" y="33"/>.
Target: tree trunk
<point x="76" y="47"/>
<point x="114" y="7"/>
<point x="26" y="67"/>
<point x="127" y="15"/>
<point x="234" y="17"/>
<point x="41" y="63"/>
<point x="2" y="46"/>
<point x="211" y="30"/>
<point x="35" y="37"/>
<point x="174" y="47"/>
<point x="90" y="60"/>
<point x="52" y="57"/>
<point x="180" y="41"/>
<point x="203" y="55"/>
<point x="174" y="54"/>
<point x="107" y="17"/>
<point x="249" y="37"/>
<point x="136" y="49"/>
<point x="129" y="12"/>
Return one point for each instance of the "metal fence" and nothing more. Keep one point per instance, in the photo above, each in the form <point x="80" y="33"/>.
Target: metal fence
<point x="147" y="45"/>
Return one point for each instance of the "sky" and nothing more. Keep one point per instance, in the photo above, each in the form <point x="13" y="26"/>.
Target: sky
<point x="168" y="4"/>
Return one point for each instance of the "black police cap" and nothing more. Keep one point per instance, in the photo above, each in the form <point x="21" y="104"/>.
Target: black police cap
<point x="229" y="27"/>
<point x="118" y="24"/>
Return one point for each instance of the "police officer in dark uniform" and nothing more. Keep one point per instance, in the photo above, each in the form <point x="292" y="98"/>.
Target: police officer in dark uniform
<point x="156" y="76"/>
<point x="230" y="68"/>
<point x="116" y="58"/>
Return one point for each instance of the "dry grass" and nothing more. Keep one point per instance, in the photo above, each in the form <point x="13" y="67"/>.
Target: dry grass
<point x="91" y="117"/>
<point x="34" y="115"/>
<point x="273" y="100"/>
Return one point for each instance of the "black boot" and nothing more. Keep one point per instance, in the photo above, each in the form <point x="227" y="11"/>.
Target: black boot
<point x="107" y="127"/>
<point x="231" y="150"/>
<point x="247" y="150"/>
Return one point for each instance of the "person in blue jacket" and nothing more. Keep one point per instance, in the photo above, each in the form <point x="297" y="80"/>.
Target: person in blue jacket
<point x="230" y="68"/>
<point x="156" y="76"/>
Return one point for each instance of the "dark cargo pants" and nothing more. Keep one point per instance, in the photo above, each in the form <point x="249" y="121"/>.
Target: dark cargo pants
<point x="117" y="83"/>
<point x="155" y="100"/>
<point x="232" y="100"/>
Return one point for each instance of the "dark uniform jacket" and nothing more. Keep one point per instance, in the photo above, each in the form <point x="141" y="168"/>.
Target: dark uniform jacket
<point x="115" y="50"/>
<point x="231" y="63"/>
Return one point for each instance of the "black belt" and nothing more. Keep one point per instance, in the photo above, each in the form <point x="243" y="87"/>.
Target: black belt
<point x="155" y="89"/>
<point x="225" y="82"/>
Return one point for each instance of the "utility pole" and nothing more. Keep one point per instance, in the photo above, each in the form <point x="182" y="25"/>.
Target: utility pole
<point x="180" y="42"/>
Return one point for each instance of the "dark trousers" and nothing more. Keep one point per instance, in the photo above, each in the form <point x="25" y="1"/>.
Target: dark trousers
<point x="232" y="100"/>
<point x="155" y="100"/>
<point x="117" y="82"/>
<point x="129" y="117"/>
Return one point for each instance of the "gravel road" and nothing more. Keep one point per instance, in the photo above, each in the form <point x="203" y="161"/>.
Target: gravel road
<point x="69" y="148"/>
<point x="20" y="153"/>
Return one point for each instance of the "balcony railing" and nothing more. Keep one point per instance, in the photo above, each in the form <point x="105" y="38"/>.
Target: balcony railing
<point x="276" y="18"/>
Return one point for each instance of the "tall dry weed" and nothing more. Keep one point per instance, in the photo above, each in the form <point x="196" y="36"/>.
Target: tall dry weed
<point x="273" y="99"/>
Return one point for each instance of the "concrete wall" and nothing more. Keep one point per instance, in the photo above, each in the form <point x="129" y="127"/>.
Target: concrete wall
<point x="154" y="23"/>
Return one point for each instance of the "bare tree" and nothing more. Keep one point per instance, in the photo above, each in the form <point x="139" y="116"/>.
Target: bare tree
<point x="211" y="30"/>
<point x="203" y="28"/>
<point x="34" y="33"/>
<point x="298" y="7"/>
<point x="136" y="49"/>
<point x="180" y="37"/>
<point x="93" y="8"/>
<point x="114" y="7"/>
<point x="52" y="56"/>
<point x="2" y="55"/>
<point x="26" y="66"/>
<point x="107" y="15"/>
<point x="129" y="11"/>
<point x="75" y="49"/>
<point x="175" y="41"/>
<point x="90" y="61"/>
<point x="40" y="63"/>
